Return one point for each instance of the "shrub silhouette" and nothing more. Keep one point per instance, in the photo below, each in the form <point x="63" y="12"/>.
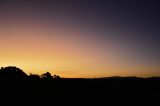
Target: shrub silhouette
<point x="56" y="77"/>
<point x="47" y="76"/>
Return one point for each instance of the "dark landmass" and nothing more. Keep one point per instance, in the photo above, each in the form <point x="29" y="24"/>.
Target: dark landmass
<point x="15" y="84"/>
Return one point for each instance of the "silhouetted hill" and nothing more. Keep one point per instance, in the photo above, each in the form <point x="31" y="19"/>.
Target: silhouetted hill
<point x="15" y="83"/>
<point x="12" y="73"/>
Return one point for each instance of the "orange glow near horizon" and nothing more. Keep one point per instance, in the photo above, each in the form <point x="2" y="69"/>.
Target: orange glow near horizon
<point x="69" y="51"/>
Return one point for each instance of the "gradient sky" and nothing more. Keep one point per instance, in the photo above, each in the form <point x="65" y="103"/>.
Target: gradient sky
<point x="81" y="38"/>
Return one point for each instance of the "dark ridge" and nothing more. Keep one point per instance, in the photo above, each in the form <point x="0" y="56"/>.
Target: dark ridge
<point x="15" y="84"/>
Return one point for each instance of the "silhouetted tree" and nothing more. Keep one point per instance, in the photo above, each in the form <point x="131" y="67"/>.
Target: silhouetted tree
<point x="47" y="76"/>
<point x="56" y="77"/>
<point x="12" y="72"/>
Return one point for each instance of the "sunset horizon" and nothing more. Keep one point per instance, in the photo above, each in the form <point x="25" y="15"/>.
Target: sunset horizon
<point x="81" y="39"/>
<point x="80" y="52"/>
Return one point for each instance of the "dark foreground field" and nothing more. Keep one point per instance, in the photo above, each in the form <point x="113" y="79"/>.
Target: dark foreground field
<point x="115" y="90"/>
<point x="16" y="87"/>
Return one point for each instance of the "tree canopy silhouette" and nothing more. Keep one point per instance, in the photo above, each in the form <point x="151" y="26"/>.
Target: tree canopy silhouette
<point x="12" y="72"/>
<point x="47" y="76"/>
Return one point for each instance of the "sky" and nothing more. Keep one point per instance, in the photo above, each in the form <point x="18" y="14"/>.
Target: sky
<point x="81" y="38"/>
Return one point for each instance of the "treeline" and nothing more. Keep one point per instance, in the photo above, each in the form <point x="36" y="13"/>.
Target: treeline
<point x="14" y="73"/>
